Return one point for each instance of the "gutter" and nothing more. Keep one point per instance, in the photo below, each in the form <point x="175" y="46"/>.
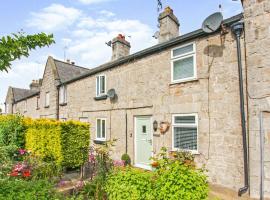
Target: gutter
<point x="237" y="29"/>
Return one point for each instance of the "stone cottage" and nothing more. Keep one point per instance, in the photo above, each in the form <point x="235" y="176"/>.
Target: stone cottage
<point x="182" y="93"/>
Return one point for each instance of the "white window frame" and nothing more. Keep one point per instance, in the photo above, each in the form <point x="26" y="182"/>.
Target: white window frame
<point x="185" y="125"/>
<point x="63" y="94"/>
<point x="98" y="94"/>
<point x="101" y="138"/>
<point x="25" y="106"/>
<point x="47" y="99"/>
<point x="181" y="57"/>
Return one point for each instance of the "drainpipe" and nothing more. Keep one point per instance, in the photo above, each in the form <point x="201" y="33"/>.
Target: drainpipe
<point x="237" y="29"/>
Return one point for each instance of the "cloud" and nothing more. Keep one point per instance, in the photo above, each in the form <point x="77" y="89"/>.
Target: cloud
<point x="107" y="13"/>
<point x="88" y="2"/>
<point x="55" y="17"/>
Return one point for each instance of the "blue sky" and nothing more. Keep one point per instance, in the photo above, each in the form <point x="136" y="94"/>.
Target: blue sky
<point x="81" y="28"/>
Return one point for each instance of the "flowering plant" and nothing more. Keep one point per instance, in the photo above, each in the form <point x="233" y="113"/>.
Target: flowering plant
<point x="21" y="170"/>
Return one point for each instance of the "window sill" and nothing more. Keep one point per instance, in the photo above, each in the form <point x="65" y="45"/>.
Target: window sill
<point x="46" y="106"/>
<point x="99" y="141"/>
<point x="37" y="108"/>
<point x="63" y="104"/>
<point x="184" y="81"/>
<point x="99" y="98"/>
<point x="193" y="152"/>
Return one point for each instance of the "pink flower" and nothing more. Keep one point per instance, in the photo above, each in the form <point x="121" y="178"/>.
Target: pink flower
<point x="91" y="158"/>
<point x="119" y="163"/>
<point x="22" y="151"/>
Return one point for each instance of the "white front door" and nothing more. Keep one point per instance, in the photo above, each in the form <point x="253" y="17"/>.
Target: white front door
<point x="143" y="142"/>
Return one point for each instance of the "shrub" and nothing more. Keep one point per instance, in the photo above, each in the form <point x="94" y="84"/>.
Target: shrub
<point x="126" y="158"/>
<point x="65" y="143"/>
<point x="12" y="131"/>
<point x="27" y="190"/>
<point x="129" y="183"/>
<point x="178" y="181"/>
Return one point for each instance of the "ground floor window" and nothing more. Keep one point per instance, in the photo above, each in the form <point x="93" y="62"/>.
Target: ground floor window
<point x="185" y="132"/>
<point x="101" y="129"/>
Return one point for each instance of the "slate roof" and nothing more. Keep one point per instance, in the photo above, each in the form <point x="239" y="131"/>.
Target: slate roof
<point x="67" y="71"/>
<point x="21" y="94"/>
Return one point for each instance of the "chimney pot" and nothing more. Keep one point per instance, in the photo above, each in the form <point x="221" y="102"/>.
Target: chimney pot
<point x="68" y="61"/>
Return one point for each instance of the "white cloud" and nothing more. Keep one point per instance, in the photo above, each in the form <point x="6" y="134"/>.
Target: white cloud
<point x="107" y="13"/>
<point x="88" y="2"/>
<point x="55" y="17"/>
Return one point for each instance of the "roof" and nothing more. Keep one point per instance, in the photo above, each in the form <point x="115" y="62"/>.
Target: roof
<point x="67" y="71"/>
<point x="20" y="94"/>
<point x="156" y="48"/>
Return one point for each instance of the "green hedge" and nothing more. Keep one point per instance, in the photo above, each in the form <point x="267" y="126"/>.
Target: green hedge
<point x="65" y="143"/>
<point x="12" y="130"/>
<point x="176" y="181"/>
<point x="27" y="190"/>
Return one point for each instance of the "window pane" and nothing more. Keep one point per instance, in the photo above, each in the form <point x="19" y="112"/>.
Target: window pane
<point x="98" y="128"/>
<point x="184" y="120"/>
<point x="183" y="68"/>
<point x="103" y="128"/>
<point x="61" y="95"/>
<point x="97" y="86"/>
<point x="102" y="84"/>
<point x="185" y="138"/>
<point x="183" y="50"/>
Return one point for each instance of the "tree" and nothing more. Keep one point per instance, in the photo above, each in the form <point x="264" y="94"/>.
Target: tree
<point x="17" y="45"/>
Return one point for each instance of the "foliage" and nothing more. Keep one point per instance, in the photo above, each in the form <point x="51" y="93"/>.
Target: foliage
<point x="126" y="158"/>
<point x="17" y="45"/>
<point x="178" y="181"/>
<point x="12" y="131"/>
<point x="27" y="190"/>
<point x="64" y="143"/>
<point x="129" y="183"/>
<point x="6" y="161"/>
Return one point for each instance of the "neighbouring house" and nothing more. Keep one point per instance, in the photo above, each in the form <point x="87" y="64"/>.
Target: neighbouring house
<point x="182" y="93"/>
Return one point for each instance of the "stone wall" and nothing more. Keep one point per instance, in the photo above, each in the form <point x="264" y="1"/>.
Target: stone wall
<point x="257" y="33"/>
<point x="31" y="107"/>
<point x="144" y="87"/>
<point x="9" y="102"/>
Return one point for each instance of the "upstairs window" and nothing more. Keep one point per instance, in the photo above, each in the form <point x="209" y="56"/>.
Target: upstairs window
<point x="38" y="99"/>
<point x="63" y="94"/>
<point x="101" y="129"/>
<point x="185" y="132"/>
<point x="183" y="63"/>
<point x="100" y="85"/>
<point x="47" y="99"/>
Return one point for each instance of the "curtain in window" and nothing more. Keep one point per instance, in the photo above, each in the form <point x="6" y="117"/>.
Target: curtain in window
<point x="98" y="128"/>
<point x="185" y="138"/>
<point x="183" y="68"/>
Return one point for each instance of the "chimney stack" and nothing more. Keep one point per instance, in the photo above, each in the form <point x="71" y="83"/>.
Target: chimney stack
<point x="35" y="85"/>
<point x="120" y="47"/>
<point x="169" y="25"/>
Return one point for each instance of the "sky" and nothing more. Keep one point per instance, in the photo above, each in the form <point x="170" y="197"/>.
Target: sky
<point x="81" y="28"/>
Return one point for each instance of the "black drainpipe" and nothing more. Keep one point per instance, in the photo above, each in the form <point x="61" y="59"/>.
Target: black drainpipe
<point x="237" y="29"/>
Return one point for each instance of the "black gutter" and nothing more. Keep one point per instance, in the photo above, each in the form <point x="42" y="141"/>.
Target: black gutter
<point x="154" y="49"/>
<point x="237" y="29"/>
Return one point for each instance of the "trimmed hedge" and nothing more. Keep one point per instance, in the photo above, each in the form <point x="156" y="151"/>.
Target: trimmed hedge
<point x="65" y="143"/>
<point x="12" y="130"/>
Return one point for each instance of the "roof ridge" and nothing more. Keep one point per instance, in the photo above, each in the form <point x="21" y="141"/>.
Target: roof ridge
<point x="70" y="64"/>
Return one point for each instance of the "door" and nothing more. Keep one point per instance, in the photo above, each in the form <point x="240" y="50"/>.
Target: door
<point x="143" y="142"/>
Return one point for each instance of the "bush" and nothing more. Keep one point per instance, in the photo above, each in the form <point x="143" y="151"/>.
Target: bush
<point x="126" y="158"/>
<point x="12" y="131"/>
<point x="27" y="190"/>
<point x="129" y="183"/>
<point x="178" y="181"/>
<point x="65" y="143"/>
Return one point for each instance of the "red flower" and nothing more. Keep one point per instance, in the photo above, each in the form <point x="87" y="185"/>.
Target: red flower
<point x="14" y="173"/>
<point x="26" y="173"/>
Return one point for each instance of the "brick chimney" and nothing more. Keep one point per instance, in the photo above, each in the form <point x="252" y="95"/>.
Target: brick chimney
<point x="35" y="85"/>
<point x="169" y="25"/>
<point x="120" y="47"/>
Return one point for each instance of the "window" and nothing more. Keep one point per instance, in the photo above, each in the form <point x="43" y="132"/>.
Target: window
<point x="63" y="94"/>
<point x="38" y="102"/>
<point x="47" y="100"/>
<point x="83" y="119"/>
<point x="185" y="132"/>
<point x="100" y="85"/>
<point x="63" y="119"/>
<point x="7" y="108"/>
<point x="25" y="106"/>
<point x="101" y="129"/>
<point x="183" y="63"/>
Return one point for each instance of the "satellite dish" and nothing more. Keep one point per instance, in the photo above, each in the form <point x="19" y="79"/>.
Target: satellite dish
<point x="111" y="93"/>
<point x="156" y="35"/>
<point x="212" y="23"/>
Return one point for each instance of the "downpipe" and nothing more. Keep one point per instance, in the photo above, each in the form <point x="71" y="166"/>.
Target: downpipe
<point x="238" y="28"/>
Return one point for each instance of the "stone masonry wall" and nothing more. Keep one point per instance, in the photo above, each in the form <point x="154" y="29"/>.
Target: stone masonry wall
<point x="257" y="33"/>
<point x="31" y="107"/>
<point x="144" y="87"/>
